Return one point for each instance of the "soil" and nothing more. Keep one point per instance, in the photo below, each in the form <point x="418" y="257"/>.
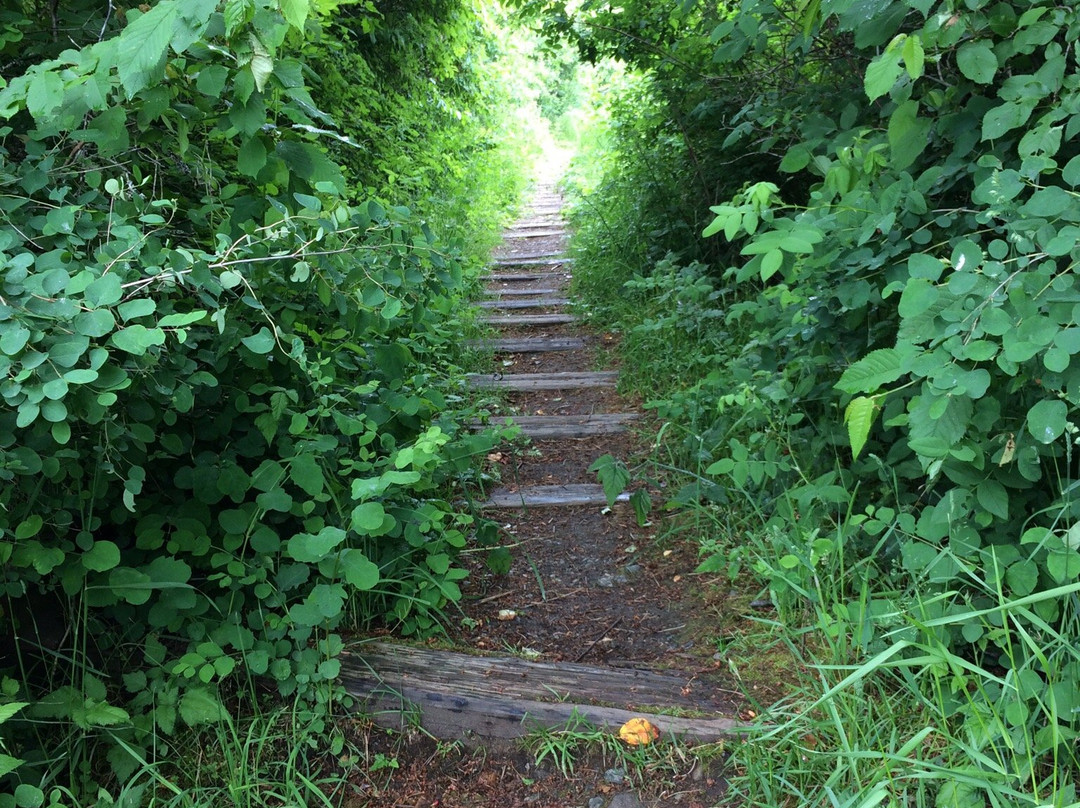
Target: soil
<point x="587" y="584"/>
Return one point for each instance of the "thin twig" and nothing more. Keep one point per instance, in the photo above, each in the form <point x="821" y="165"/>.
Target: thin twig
<point x="496" y="596"/>
<point x="592" y="645"/>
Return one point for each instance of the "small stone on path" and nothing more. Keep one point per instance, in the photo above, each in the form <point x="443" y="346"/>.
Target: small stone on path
<point x="596" y="802"/>
<point x="609" y="581"/>
<point x="615" y="777"/>
<point x="625" y="799"/>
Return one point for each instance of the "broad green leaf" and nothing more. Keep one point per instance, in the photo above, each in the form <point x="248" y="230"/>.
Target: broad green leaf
<point x="310" y="548"/>
<point x="200" y="706"/>
<point x="10" y="709"/>
<point x="918" y="296"/>
<point x="367" y="517"/>
<point x="921" y="265"/>
<point x="9" y="764"/>
<point x="438" y="563"/>
<point x="137" y="339"/>
<point x="104" y="291"/>
<point x="1049" y="202"/>
<point x="140" y="307"/>
<point x="305" y="471"/>
<point x="613" y="475"/>
<point x="100" y="714"/>
<point x="144" y="44"/>
<point x="1071" y="172"/>
<point x="44" y="94"/>
<point x="261" y="342"/>
<point x="104" y="555"/>
<point x="360" y="572"/>
<point x="95" y="323"/>
<point x="1022" y="577"/>
<point x="252" y="156"/>
<point x="994" y="497"/>
<point x="882" y="73"/>
<point x="211" y="80"/>
<point x="237" y="14"/>
<point x="1046" y="420"/>
<point x="14" y="340"/>
<point x="178" y="320"/>
<point x="874" y="370"/>
<point x="977" y="62"/>
<point x="908" y="134"/>
<point x="1063" y="565"/>
<point x="1005" y="117"/>
<point x="914" y="56"/>
<point x="859" y="417"/>
<point x="29" y="527"/>
<point x="308" y="162"/>
<point x="295" y="12"/>
<point x="67" y="351"/>
<point x="771" y="262"/>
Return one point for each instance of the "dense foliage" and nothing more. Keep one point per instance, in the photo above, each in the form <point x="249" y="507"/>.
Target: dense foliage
<point x="231" y="420"/>
<point x="867" y="352"/>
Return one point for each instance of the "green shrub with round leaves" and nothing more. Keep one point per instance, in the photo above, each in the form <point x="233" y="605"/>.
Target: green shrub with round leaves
<point x="231" y="422"/>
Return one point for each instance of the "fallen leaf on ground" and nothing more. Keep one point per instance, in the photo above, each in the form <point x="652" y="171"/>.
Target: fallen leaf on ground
<point x="638" y="732"/>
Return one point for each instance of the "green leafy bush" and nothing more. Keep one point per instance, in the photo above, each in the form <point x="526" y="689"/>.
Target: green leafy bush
<point x="232" y="419"/>
<point x="900" y="280"/>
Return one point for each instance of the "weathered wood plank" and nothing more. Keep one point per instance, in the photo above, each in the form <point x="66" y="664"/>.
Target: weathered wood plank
<point x="526" y="319"/>
<point x="522" y="292"/>
<point x="553" y="277"/>
<point x="502" y="698"/>
<point x="534" y="234"/>
<point x="538" y="303"/>
<point x="544" y="381"/>
<point x="472" y="720"/>
<point x="533" y="259"/>
<point x="569" y="426"/>
<point x="549" y="496"/>
<point x="528" y="344"/>
<point x="512" y="677"/>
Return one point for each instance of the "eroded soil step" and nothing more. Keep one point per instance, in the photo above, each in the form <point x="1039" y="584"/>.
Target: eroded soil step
<point x="528" y="344"/>
<point x="569" y="495"/>
<point x="547" y="427"/>
<point x="532" y="259"/>
<point x="537" y="303"/>
<point x="488" y="698"/>
<point x="526" y="319"/>
<point x="544" y="381"/>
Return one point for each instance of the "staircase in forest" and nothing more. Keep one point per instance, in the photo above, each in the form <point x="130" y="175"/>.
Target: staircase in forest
<point x="607" y="633"/>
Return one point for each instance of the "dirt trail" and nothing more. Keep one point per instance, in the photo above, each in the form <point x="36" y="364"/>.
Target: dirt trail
<point x="588" y="586"/>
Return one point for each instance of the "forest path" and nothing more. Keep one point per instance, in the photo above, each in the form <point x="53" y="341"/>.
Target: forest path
<point x="589" y="621"/>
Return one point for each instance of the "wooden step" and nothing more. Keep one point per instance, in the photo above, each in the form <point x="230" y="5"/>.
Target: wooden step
<point x="533" y="234"/>
<point x="544" y="381"/>
<point x="549" y="496"/>
<point x="526" y="319"/>
<point x="537" y="303"/>
<point x="502" y="698"/>
<point x="521" y="292"/>
<point x="526" y="276"/>
<point x="546" y="427"/>
<point x="528" y="344"/>
<point x="532" y="260"/>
